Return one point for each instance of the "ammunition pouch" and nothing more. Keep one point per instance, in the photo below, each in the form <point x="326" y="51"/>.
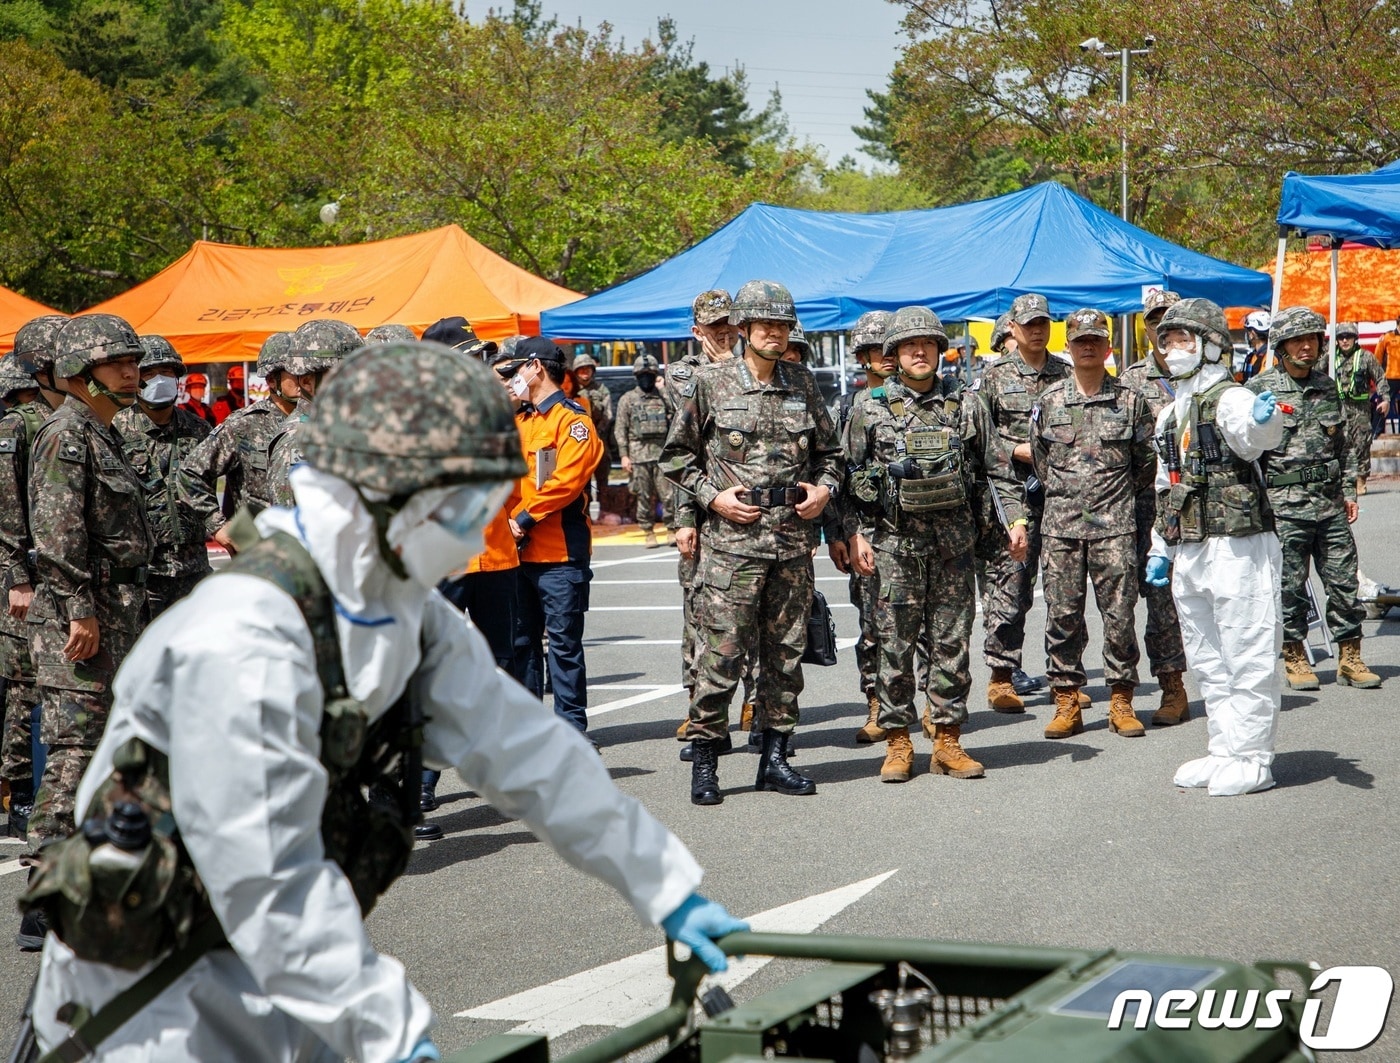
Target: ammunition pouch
<point x="936" y="456"/>
<point x="1323" y="472"/>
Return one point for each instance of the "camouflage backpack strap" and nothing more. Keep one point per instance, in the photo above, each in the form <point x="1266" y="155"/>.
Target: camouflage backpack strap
<point x="1209" y="399"/>
<point x="33" y="421"/>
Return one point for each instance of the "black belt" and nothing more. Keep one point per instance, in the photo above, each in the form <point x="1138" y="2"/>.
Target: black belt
<point x="129" y="574"/>
<point x="772" y="497"/>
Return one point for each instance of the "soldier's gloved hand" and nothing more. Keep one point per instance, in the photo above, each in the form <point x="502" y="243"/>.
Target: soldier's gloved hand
<point x="697" y="923"/>
<point x="1158" y="571"/>
<point x="1264" y="407"/>
<point x="424" y="1052"/>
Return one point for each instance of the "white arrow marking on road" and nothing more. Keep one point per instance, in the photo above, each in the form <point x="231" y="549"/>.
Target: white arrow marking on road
<point x="626" y="990"/>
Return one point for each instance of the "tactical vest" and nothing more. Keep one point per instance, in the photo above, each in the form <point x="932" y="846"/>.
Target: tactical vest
<point x="652" y="421"/>
<point x="1219" y="493"/>
<point x="1352" y="385"/>
<point x="936" y="450"/>
<point x="32" y="419"/>
<point x="128" y="915"/>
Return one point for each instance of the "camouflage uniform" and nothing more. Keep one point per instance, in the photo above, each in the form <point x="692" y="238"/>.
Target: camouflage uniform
<point x="238" y="451"/>
<point x="756" y="579"/>
<point x="283" y="451"/>
<point x="1162" y="640"/>
<point x="1094" y="455"/>
<point x="1310" y="477"/>
<point x="179" y="521"/>
<point x="1358" y="374"/>
<point x="600" y="408"/>
<point x="923" y="584"/>
<point x="643" y="419"/>
<point x="1010" y="389"/>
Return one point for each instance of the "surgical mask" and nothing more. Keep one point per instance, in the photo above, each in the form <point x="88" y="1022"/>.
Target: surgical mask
<point x="160" y="391"/>
<point x="441" y="529"/>
<point x="1183" y="362"/>
<point x="519" y="387"/>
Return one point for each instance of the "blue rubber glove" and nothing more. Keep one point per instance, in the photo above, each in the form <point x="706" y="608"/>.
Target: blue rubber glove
<point x="1158" y="571"/>
<point x="697" y="923"/>
<point x="424" y="1052"/>
<point x="1264" y="406"/>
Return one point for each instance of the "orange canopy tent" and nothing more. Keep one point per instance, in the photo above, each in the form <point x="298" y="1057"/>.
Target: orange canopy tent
<point x="219" y="302"/>
<point x="15" y="310"/>
<point x="1368" y="283"/>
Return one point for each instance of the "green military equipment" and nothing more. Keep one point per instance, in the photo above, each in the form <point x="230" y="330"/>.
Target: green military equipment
<point x="317" y="345"/>
<point x="587" y="361"/>
<point x="1296" y="321"/>
<point x="272" y="355"/>
<point x="929" y="474"/>
<point x="34" y="342"/>
<point x="15" y="377"/>
<point x="1001" y="330"/>
<point x="914" y="322"/>
<point x="93" y="339"/>
<point x="887" y="1000"/>
<point x="797" y="337"/>
<point x="762" y="301"/>
<point x="1200" y="317"/>
<point x="645" y="363"/>
<point x="869" y="330"/>
<point x="161" y="355"/>
<point x="389" y="334"/>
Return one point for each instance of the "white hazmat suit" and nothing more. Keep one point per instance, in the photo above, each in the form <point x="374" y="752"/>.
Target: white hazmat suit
<point x="1227" y="598"/>
<point x="226" y="683"/>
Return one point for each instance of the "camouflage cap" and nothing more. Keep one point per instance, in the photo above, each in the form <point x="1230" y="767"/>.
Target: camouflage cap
<point x="911" y="323"/>
<point x="1296" y="321"/>
<point x="869" y="330"/>
<point x="390" y="334"/>
<point x="34" y="341"/>
<point x="14" y="377"/>
<point x="318" y="345"/>
<point x="1086" y="322"/>
<point x="1000" y="331"/>
<point x="160" y="353"/>
<point x="711" y="306"/>
<point x="1158" y="299"/>
<point x="1200" y="317"/>
<point x="93" y="339"/>
<point x="585" y="361"/>
<point x="1028" y="308"/>
<point x="645" y="363"/>
<point x="272" y="356"/>
<point x="797" y="337"/>
<point x="762" y="301"/>
<point x="1347" y="328"/>
<point x="402" y="417"/>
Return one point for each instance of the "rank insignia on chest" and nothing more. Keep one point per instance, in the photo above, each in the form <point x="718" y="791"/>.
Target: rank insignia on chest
<point x="579" y="431"/>
<point x="736" y="439"/>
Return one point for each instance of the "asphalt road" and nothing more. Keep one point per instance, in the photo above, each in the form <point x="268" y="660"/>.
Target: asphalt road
<point x="1082" y="842"/>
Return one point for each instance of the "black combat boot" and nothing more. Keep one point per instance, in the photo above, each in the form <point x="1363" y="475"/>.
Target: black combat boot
<point x="723" y="746"/>
<point x="33" y="926"/>
<point x="21" y="808"/>
<point x="774" y="772"/>
<point x="704" y="772"/>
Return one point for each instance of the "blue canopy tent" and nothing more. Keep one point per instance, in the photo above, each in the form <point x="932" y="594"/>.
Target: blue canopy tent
<point x="1361" y="207"/>
<point x="966" y="261"/>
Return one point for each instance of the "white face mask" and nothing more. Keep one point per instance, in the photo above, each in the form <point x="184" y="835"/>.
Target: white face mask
<point x="518" y="386"/>
<point x="160" y="391"/>
<point x="439" y="530"/>
<point x="1183" y="362"/>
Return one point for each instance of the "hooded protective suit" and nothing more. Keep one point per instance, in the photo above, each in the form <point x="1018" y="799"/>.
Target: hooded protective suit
<point x="226" y="683"/>
<point x="1227" y="597"/>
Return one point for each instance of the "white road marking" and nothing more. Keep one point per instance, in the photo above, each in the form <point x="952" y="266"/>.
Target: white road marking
<point x="635" y="699"/>
<point x="603" y="643"/>
<point x="625" y="686"/>
<point x="630" y="582"/>
<point x="661" y="559"/>
<point x="634" y="608"/>
<point x="621" y="992"/>
<point x="10" y="867"/>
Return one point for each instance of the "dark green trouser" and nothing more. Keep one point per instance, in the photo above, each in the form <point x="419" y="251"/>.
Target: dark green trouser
<point x="1329" y="545"/>
<point x="1110" y="564"/>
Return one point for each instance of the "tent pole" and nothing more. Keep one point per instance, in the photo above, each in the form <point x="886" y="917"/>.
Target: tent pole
<point x="1278" y="288"/>
<point x="841" y="359"/>
<point x="1332" y="314"/>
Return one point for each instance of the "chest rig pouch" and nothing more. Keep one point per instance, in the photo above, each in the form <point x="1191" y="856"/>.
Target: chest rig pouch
<point x="122" y="890"/>
<point x="1220" y="494"/>
<point x="929" y="470"/>
<point x="652" y="422"/>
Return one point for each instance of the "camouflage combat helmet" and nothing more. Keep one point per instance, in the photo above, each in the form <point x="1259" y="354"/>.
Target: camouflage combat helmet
<point x="1000" y="331"/>
<point x="797" y="337"/>
<point x="14" y="377"/>
<point x="586" y="361"/>
<point x="389" y="334"/>
<point x="34" y="342"/>
<point x="1158" y="299"/>
<point x="159" y="353"/>
<point x="401" y="417"/>
<point x="1347" y="328"/>
<point x="645" y="363"/>
<point x="93" y="339"/>
<point x="272" y="356"/>
<point x="762" y="301"/>
<point x="1294" y="322"/>
<point x="911" y="322"/>
<point x="318" y="345"/>
<point x="869" y="330"/>
<point x="1201" y="318"/>
<point x="711" y="306"/>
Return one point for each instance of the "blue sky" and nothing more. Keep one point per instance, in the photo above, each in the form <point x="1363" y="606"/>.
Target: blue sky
<point x="822" y="54"/>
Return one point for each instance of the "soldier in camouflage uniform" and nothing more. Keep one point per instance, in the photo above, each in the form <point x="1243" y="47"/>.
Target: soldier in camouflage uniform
<point x="1091" y="444"/>
<point x="1358" y="375"/>
<point x="1010" y="386"/>
<point x="316" y="347"/>
<point x="238" y="449"/>
<point x="1165" y="653"/>
<point x="643" y="419"/>
<point x="915" y="453"/>
<point x="87" y="517"/>
<point x="1311" y="478"/>
<point x="158" y="439"/>
<point x="600" y="408"/>
<point x="756" y="448"/>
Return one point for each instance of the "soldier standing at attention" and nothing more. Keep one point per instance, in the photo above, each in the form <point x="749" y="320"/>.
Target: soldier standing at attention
<point x="1358" y="374"/>
<point x="1011" y="386"/>
<point x="643" y="419"/>
<point x="1165" y="652"/>
<point x="87" y="517"/>
<point x="158" y="439"/>
<point x="1311" y="478"/>
<point x="914" y="454"/>
<point x="1091" y="445"/>
<point x="756" y="449"/>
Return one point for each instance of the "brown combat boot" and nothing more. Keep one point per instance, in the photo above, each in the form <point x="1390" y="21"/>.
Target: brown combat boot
<point x="949" y="757"/>
<point x="1296" y="668"/>
<point x="927" y="720"/>
<point x="1351" y="669"/>
<point x="1068" y="718"/>
<point x="1001" y="695"/>
<point x="1085" y="701"/>
<point x="746" y="716"/>
<point x="1174" y="708"/>
<point x="871" y="731"/>
<point x="899" y="756"/>
<point x="1121" y="718"/>
<point x="651" y="542"/>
